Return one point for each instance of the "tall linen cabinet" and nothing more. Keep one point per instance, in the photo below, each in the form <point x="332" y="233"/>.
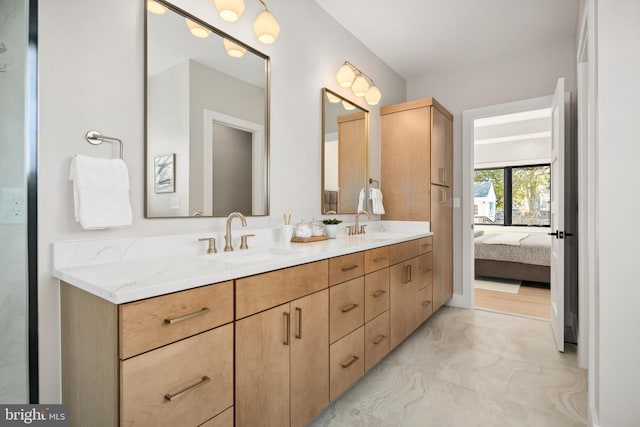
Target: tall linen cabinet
<point x="416" y="178"/>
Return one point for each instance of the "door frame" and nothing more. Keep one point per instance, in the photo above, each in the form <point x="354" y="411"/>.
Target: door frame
<point x="468" y="117"/>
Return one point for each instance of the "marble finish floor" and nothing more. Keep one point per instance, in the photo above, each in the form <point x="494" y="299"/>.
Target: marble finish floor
<point x="468" y="368"/>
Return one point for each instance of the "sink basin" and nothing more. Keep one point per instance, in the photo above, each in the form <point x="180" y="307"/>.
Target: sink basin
<point x="258" y="255"/>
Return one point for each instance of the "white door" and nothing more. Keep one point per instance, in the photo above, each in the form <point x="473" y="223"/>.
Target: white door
<point x="557" y="213"/>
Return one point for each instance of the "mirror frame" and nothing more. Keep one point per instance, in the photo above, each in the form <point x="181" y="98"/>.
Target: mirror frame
<point x="365" y="178"/>
<point x="267" y="102"/>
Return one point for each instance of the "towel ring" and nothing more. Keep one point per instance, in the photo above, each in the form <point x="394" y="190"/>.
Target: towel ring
<point x="95" y="138"/>
<point x="371" y="181"/>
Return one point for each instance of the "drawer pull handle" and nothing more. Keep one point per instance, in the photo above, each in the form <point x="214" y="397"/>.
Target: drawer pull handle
<point x="426" y="246"/>
<point x="428" y="270"/>
<point x="426" y="303"/>
<point x="379" y="339"/>
<point x="379" y="292"/>
<point x="348" y="308"/>
<point x="380" y="258"/>
<point x="409" y="270"/>
<point x="189" y="316"/>
<point x="352" y="267"/>
<point x="351" y="361"/>
<point x="299" y="314"/>
<point x="171" y="397"/>
<point x="287" y="326"/>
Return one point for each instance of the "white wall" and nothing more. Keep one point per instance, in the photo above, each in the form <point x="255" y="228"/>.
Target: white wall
<point x="617" y="350"/>
<point x="530" y="74"/>
<point x="91" y="77"/>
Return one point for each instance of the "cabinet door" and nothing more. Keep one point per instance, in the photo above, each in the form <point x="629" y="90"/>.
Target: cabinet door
<point x="262" y="368"/>
<point x="405" y="171"/>
<point x="309" y="357"/>
<point x="441" y="148"/>
<point x="404" y="292"/>
<point x="441" y="225"/>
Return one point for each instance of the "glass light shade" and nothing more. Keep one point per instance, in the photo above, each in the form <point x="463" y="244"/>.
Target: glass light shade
<point x="197" y="30"/>
<point x="266" y="27"/>
<point x="373" y="96"/>
<point x="360" y="86"/>
<point x="348" y="106"/>
<point x="233" y="49"/>
<point x="345" y="76"/>
<point x="332" y="98"/>
<point x="155" y="7"/>
<point x="229" y="10"/>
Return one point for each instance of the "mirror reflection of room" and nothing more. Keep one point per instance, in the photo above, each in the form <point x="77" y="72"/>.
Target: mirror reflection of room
<point x="207" y="110"/>
<point x="345" y="147"/>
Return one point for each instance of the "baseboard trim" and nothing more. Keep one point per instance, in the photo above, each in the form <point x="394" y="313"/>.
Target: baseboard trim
<point x="593" y="417"/>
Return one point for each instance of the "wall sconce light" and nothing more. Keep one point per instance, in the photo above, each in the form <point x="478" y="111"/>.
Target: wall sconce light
<point x="266" y="27"/>
<point x="155" y="7"/>
<point x="197" y="30"/>
<point x="362" y="85"/>
<point x="233" y="49"/>
<point x="229" y="10"/>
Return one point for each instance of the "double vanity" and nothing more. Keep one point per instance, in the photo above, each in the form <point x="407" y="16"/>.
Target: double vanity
<point x="264" y="336"/>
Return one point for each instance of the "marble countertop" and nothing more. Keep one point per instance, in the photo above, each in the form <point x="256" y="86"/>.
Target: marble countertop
<point x="125" y="270"/>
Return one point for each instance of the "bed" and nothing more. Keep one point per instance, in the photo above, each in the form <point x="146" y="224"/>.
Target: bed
<point x="516" y="256"/>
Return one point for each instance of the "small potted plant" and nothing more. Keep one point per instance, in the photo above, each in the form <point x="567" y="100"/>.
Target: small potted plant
<point x="331" y="227"/>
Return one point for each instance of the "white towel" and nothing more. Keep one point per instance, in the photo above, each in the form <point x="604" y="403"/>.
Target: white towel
<point x="362" y="201"/>
<point x="376" y="201"/>
<point x="100" y="192"/>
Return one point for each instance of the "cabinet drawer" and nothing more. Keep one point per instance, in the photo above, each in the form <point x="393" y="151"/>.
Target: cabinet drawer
<point x="425" y="301"/>
<point x="185" y="383"/>
<point x="376" y="340"/>
<point x="154" y="322"/>
<point x="346" y="308"/>
<point x="346" y="363"/>
<point x="425" y="270"/>
<point x="224" y="419"/>
<point x="376" y="293"/>
<point x="264" y="291"/>
<point x="425" y="245"/>
<point x="346" y="267"/>
<point x="403" y="251"/>
<point x="376" y="259"/>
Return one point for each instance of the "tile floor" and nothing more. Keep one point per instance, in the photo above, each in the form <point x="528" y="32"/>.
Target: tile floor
<point x="468" y="368"/>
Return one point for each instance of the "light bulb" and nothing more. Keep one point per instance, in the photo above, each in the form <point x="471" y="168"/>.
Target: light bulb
<point x="233" y="49"/>
<point x="373" y="96"/>
<point x="197" y="29"/>
<point x="229" y="10"/>
<point x="266" y="27"/>
<point x="360" y="86"/>
<point x="348" y="106"/>
<point x="155" y="7"/>
<point x="332" y="98"/>
<point x="345" y="76"/>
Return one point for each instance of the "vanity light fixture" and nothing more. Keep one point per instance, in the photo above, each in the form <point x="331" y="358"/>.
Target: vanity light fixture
<point x="362" y="85"/>
<point x="266" y="27"/>
<point x="233" y="49"/>
<point x="348" y="106"/>
<point x="229" y="10"/>
<point x="197" y="29"/>
<point x="155" y="7"/>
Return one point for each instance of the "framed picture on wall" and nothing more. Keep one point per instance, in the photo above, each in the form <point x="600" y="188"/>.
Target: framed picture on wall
<point x="165" y="173"/>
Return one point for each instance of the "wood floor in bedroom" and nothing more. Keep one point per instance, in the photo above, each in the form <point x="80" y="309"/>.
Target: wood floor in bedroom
<point x="529" y="301"/>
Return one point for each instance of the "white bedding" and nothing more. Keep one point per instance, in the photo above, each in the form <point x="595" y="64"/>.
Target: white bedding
<point x="535" y="248"/>
<point x="512" y="239"/>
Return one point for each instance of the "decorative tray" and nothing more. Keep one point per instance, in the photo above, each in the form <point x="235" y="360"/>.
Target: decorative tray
<point x="309" y="239"/>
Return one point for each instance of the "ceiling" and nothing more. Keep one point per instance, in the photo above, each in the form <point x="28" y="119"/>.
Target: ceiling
<point x="416" y="37"/>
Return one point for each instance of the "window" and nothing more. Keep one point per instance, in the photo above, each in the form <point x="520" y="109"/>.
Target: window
<point x="513" y="195"/>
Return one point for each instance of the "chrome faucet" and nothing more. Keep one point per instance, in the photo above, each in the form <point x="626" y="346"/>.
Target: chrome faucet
<point x="357" y="228"/>
<point x="228" y="246"/>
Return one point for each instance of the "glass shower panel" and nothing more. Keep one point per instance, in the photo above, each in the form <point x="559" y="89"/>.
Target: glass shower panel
<point x="14" y="372"/>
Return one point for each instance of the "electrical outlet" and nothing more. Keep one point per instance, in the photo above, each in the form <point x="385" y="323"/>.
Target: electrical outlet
<point x="456" y="202"/>
<point x="13" y="206"/>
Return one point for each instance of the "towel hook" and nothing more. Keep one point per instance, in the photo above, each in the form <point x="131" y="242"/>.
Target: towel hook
<point x="94" y="137"/>
<point x="371" y="181"/>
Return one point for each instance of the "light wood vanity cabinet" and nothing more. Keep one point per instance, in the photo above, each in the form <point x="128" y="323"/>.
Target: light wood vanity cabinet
<point x="162" y="361"/>
<point x="282" y="354"/>
<point x="346" y="308"/>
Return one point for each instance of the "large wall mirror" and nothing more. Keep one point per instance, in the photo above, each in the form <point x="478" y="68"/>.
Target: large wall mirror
<point x="345" y="154"/>
<point x="207" y="120"/>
